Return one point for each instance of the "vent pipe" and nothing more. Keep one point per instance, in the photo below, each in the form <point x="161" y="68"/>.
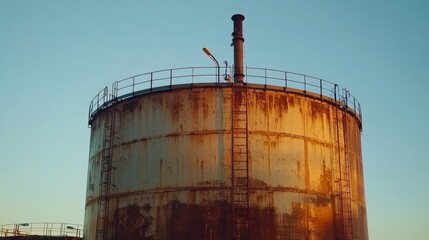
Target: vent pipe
<point x="237" y="42"/>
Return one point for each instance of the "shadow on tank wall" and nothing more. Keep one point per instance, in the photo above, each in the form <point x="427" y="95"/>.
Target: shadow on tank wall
<point x="213" y="221"/>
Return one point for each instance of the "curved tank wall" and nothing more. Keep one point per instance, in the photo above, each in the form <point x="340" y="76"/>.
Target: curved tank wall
<point x="172" y="165"/>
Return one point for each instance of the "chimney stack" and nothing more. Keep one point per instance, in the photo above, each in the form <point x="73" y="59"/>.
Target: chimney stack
<point x="237" y="42"/>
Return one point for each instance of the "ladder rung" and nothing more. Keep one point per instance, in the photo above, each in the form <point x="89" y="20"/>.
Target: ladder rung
<point x="241" y="192"/>
<point x="239" y="161"/>
<point x="240" y="145"/>
<point x="239" y="131"/>
<point x="240" y="168"/>
<point x="240" y="151"/>
<point x="238" y="138"/>
<point x="241" y="198"/>
<point x="239" y="148"/>
<point x="243" y="201"/>
<point x="240" y="164"/>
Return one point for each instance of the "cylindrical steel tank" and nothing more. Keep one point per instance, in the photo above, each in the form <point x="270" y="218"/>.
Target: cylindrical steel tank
<point x="170" y="152"/>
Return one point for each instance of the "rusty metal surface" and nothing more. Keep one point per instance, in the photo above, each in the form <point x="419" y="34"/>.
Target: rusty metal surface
<point x="172" y="160"/>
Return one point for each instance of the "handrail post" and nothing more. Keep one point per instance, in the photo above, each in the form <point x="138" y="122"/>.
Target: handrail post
<point x="171" y="77"/>
<point x="360" y="110"/>
<point x="346" y="99"/>
<point x="98" y="100"/>
<point x="305" y="84"/>
<point x="106" y="96"/>
<point x="133" y="84"/>
<point x="265" y="77"/>
<point x="335" y="92"/>
<point x="285" y="79"/>
<point x="354" y="104"/>
<point x="89" y="112"/>
<point x="321" y="89"/>
<point x="151" y="80"/>
<point x="218" y="73"/>
<point x="114" y="89"/>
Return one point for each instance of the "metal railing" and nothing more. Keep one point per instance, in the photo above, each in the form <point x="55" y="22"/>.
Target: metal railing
<point x="305" y="83"/>
<point x="168" y="79"/>
<point x="42" y="229"/>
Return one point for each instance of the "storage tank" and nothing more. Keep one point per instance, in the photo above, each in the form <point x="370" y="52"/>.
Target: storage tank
<point x="178" y="154"/>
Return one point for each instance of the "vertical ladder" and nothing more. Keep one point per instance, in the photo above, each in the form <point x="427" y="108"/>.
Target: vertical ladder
<point x="105" y="176"/>
<point x="347" y="201"/>
<point x="342" y="206"/>
<point x="338" y="194"/>
<point x="240" y="170"/>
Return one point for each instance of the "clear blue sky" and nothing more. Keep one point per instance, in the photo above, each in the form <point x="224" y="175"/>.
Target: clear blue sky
<point x="56" y="55"/>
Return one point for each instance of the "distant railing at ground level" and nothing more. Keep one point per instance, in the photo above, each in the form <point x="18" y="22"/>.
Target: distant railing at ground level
<point x="166" y="79"/>
<point x="48" y="229"/>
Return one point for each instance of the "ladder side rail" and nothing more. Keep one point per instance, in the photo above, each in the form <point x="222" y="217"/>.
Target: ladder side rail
<point x="348" y="218"/>
<point x="105" y="177"/>
<point x="240" y="171"/>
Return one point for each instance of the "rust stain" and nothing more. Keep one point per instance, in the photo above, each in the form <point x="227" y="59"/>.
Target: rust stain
<point x="161" y="169"/>
<point x="318" y="109"/>
<point x="133" y="222"/>
<point x="304" y="222"/>
<point x="298" y="168"/>
<point x="202" y="170"/>
<point x="291" y="99"/>
<point x="198" y="221"/>
<point x="306" y="166"/>
<point x="261" y="101"/>
<point x="257" y="183"/>
<point x="307" y="220"/>
<point x="281" y="105"/>
<point x="130" y="106"/>
<point x="192" y="197"/>
<point x="263" y="223"/>
<point x="325" y="179"/>
<point x="205" y="108"/>
<point x="194" y="99"/>
<point x="175" y="108"/>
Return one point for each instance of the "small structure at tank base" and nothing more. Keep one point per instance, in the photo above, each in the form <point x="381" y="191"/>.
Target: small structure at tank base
<point x="41" y="231"/>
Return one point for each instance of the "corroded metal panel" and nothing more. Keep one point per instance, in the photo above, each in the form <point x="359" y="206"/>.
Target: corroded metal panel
<point x="172" y="166"/>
